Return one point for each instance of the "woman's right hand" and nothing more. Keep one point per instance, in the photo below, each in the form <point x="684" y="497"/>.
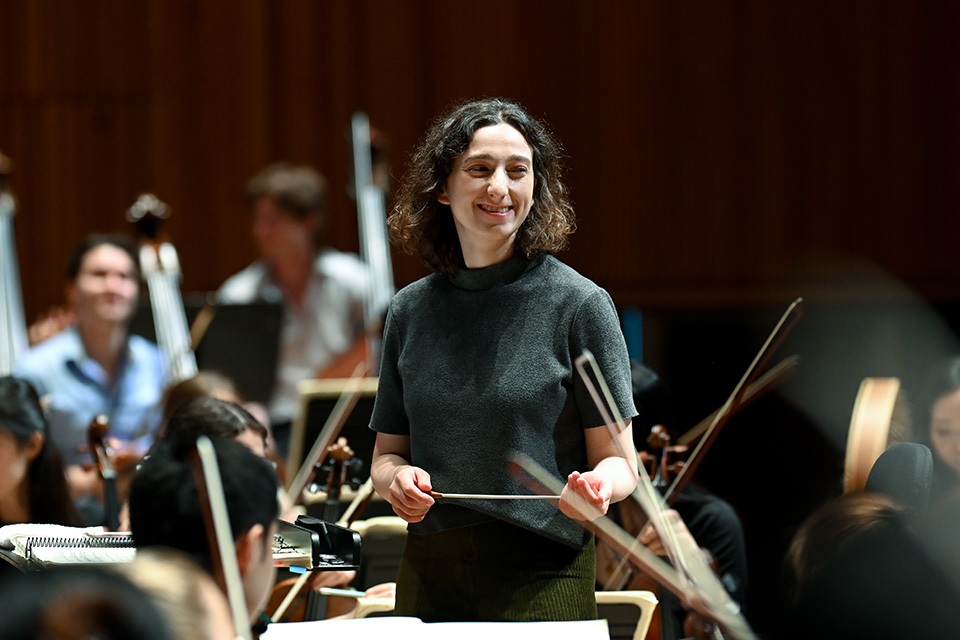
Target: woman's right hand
<point x="410" y="493"/>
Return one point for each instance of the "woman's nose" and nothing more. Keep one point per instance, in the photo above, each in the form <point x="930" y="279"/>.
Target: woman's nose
<point x="497" y="186"/>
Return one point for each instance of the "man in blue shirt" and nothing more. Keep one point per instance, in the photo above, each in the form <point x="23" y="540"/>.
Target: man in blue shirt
<point x="95" y="366"/>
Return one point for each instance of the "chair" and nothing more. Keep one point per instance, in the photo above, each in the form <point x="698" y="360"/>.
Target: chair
<point x="383" y="540"/>
<point x="904" y="472"/>
<point x="367" y="606"/>
<point x="609" y="607"/>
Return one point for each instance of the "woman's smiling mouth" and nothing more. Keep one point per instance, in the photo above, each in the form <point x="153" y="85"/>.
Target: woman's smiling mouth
<point x="495" y="210"/>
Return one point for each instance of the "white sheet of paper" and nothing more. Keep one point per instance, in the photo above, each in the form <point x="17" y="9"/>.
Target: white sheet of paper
<point x="404" y="627"/>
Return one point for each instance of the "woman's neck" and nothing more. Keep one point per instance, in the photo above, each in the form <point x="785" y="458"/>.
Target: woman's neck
<point x="15" y="507"/>
<point x="480" y="257"/>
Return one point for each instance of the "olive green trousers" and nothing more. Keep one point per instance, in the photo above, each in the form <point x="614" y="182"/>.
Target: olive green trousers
<point x="495" y="571"/>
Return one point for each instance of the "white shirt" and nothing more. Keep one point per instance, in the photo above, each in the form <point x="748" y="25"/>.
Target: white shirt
<point x="314" y="335"/>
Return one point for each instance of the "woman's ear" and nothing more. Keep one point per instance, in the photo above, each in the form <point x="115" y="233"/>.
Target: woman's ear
<point x="249" y="547"/>
<point x="442" y="197"/>
<point x="34" y="446"/>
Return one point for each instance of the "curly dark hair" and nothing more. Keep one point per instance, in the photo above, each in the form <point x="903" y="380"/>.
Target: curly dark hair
<point x="420" y="225"/>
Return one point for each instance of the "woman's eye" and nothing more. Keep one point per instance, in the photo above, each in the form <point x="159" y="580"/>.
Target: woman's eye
<point x="478" y="168"/>
<point x="520" y="171"/>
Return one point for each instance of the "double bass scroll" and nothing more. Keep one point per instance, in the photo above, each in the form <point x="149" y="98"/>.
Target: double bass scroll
<point x="161" y="269"/>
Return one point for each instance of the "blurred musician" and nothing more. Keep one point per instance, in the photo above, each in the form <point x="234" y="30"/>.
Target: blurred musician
<point x="321" y="289"/>
<point x="165" y="510"/>
<point x="95" y="366"/>
<point x="936" y="419"/>
<point x="33" y="487"/>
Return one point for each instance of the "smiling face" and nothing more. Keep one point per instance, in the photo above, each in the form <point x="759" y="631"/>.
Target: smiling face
<point x="106" y="287"/>
<point x="490" y="192"/>
<point x="945" y="428"/>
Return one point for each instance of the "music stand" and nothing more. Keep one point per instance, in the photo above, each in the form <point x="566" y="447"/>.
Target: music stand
<point x="317" y="400"/>
<point x="240" y="341"/>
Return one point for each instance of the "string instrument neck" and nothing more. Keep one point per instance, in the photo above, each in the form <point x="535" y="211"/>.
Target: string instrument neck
<point x="160" y="266"/>
<point x="13" y="325"/>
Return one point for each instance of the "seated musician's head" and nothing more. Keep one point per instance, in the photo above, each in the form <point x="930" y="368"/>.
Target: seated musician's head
<point x="936" y="410"/>
<point x="33" y="487"/>
<point x="289" y="205"/>
<point x="861" y="570"/>
<point x="215" y="418"/>
<point x="188" y="597"/>
<point x="211" y="384"/>
<point x="165" y="509"/>
<point x="103" y="279"/>
<point x="78" y="602"/>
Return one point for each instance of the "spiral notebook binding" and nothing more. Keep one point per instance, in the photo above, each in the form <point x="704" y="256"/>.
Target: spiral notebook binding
<point x="118" y="541"/>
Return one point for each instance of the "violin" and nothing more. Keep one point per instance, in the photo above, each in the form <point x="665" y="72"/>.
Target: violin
<point x="339" y="468"/>
<point x="96" y="433"/>
<point x="13" y="325"/>
<point x="161" y="269"/>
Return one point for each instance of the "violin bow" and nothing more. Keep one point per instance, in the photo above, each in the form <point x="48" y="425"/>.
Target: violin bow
<point x="698" y="586"/>
<point x="754" y="390"/>
<point x="213" y="505"/>
<point x="331" y="428"/>
<point x="644" y="493"/>
<point x="780" y="331"/>
<point x="161" y="269"/>
<point x="700" y="590"/>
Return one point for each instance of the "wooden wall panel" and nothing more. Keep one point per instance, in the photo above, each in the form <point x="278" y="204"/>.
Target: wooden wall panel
<point x="718" y="153"/>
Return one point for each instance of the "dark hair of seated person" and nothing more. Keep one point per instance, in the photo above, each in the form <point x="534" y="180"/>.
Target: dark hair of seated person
<point x="165" y="507"/>
<point x="205" y="383"/>
<point x="862" y="571"/>
<point x="210" y="417"/>
<point x="48" y="497"/>
<point x="78" y="602"/>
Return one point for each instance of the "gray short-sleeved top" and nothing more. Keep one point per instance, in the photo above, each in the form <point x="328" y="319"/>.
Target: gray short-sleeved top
<point x="479" y="365"/>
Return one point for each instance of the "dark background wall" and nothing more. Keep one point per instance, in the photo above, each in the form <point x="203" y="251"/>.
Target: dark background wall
<point x="724" y="158"/>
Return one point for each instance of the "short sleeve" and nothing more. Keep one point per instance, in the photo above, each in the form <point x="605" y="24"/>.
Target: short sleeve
<point x="596" y="328"/>
<point x="389" y="415"/>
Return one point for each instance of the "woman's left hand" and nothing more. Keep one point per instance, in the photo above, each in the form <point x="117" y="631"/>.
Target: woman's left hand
<point x="586" y="496"/>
